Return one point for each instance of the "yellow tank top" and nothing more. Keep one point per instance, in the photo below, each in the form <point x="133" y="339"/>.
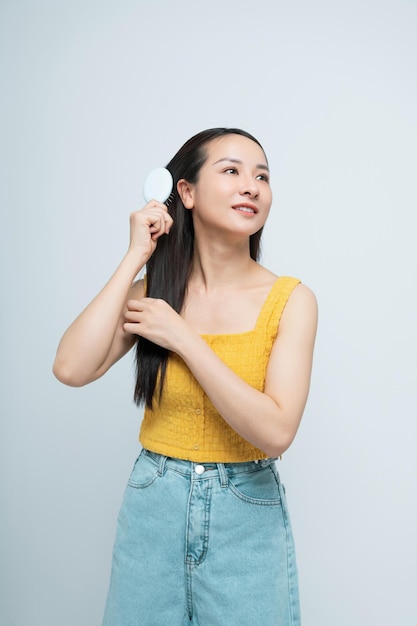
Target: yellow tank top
<point x="185" y="424"/>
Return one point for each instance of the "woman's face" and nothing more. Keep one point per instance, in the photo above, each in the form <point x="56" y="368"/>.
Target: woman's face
<point x="232" y="192"/>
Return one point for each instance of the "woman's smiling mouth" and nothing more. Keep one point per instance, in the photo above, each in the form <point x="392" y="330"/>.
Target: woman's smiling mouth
<point x="246" y="208"/>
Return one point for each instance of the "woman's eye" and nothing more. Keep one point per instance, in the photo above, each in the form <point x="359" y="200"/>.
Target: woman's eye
<point x="263" y="177"/>
<point x="231" y="170"/>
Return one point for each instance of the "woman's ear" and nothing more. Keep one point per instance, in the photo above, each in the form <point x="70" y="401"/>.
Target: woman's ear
<point x="185" y="192"/>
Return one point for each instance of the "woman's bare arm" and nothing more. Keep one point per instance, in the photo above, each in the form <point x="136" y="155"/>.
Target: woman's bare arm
<point x="97" y="339"/>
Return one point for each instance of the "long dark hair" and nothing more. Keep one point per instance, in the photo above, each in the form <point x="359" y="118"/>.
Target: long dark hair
<point x="168" y="269"/>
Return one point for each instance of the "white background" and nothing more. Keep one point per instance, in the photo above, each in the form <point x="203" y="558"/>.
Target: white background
<point x="93" y="95"/>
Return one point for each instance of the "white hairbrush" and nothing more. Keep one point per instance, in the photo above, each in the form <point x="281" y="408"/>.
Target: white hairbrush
<point x="158" y="185"/>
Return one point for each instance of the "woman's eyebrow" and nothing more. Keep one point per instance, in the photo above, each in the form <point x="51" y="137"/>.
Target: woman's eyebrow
<point x="260" y="166"/>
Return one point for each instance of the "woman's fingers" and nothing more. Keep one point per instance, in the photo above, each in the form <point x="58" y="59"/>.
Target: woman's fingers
<point x="133" y="316"/>
<point x="152" y="318"/>
<point x="148" y="224"/>
<point x="156" y="216"/>
<point x="135" y="305"/>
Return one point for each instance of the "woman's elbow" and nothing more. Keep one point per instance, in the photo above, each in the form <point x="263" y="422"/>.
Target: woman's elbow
<point x="67" y="375"/>
<point x="276" y="446"/>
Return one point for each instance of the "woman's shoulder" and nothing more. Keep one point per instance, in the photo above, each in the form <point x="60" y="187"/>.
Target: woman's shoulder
<point x="295" y="300"/>
<point x="301" y="307"/>
<point x="138" y="289"/>
<point x="299" y="291"/>
<point x="303" y="295"/>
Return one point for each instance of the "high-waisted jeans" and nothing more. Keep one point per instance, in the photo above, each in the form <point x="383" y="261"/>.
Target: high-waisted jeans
<point x="203" y="544"/>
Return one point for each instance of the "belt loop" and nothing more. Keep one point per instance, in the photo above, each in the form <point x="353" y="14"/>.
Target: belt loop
<point x="222" y="475"/>
<point x="267" y="462"/>
<point x="161" y="468"/>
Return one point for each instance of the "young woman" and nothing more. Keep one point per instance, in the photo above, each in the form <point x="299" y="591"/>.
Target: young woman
<point x="224" y="354"/>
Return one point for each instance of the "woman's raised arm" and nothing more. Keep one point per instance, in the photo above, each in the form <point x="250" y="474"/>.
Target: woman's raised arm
<point x="97" y="339"/>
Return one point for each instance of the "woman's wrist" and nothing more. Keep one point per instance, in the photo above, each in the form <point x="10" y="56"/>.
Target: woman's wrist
<point x="135" y="259"/>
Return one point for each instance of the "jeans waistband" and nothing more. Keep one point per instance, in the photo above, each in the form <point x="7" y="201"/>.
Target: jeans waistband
<point x="206" y="469"/>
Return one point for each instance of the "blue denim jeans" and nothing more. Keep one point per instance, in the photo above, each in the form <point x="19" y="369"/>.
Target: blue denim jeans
<point x="205" y="544"/>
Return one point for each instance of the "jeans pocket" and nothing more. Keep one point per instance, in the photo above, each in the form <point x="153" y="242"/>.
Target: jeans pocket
<point x="257" y="487"/>
<point x="144" y="472"/>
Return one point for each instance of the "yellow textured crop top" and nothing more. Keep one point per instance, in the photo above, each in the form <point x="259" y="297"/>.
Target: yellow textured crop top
<point x="185" y="424"/>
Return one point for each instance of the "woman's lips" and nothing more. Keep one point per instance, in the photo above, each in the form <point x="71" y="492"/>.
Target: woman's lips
<point x="250" y="209"/>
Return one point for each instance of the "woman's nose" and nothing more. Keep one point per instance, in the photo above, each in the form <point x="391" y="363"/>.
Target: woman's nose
<point x="249" y="186"/>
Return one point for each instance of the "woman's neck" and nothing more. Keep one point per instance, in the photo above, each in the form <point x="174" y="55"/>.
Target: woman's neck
<point x="219" y="265"/>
